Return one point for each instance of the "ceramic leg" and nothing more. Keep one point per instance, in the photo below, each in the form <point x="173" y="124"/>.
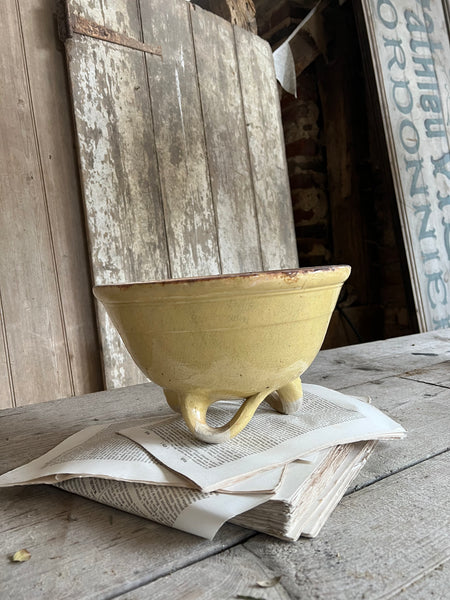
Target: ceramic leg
<point x="287" y="399"/>
<point x="195" y="406"/>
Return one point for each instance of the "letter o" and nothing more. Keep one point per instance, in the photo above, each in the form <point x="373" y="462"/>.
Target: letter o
<point x="407" y="99"/>
<point x="387" y="14"/>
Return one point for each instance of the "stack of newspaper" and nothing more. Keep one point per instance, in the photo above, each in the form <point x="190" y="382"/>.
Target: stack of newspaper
<point x="282" y="475"/>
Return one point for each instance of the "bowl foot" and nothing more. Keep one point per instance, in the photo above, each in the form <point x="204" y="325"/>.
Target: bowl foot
<point x="287" y="399"/>
<point x="194" y="406"/>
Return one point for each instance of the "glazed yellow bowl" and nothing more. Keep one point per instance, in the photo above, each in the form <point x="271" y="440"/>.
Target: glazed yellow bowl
<point x="246" y="336"/>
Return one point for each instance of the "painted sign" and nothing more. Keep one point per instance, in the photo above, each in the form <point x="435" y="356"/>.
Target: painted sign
<point x="411" y="57"/>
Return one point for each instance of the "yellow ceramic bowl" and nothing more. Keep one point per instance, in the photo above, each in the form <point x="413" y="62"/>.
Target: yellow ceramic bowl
<point x="228" y="336"/>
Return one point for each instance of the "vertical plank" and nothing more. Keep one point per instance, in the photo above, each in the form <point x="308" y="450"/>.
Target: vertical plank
<point x="33" y="319"/>
<point x="267" y="154"/>
<point x="226" y="142"/>
<point x="180" y="143"/>
<point x="164" y="154"/>
<point x="54" y="131"/>
<point x="120" y="178"/>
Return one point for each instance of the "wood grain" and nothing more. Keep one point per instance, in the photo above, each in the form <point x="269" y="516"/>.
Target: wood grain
<point x="169" y="167"/>
<point x="434" y="583"/>
<point x="269" y="169"/>
<point x="343" y="367"/>
<point x="388" y="536"/>
<point x="81" y="549"/>
<point x="120" y="178"/>
<point x="49" y="343"/>
<point x="55" y="136"/>
<point x="226" y="143"/>
<point x="230" y="574"/>
<point x="180" y="142"/>
<point x="33" y="320"/>
<point x="121" y="16"/>
<point x="437" y="375"/>
<point x="378" y="541"/>
<point x="420" y="408"/>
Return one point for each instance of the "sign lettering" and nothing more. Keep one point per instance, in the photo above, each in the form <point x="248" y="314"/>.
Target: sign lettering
<point x="409" y="40"/>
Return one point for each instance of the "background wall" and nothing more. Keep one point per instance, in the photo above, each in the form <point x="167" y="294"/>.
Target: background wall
<point x="343" y="200"/>
<point x="48" y="338"/>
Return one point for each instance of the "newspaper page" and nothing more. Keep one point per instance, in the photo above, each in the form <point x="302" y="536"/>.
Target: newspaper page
<point x="189" y="510"/>
<point x="325" y="419"/>
<point x="99" y="451"/>
<point x="319" y="511"/>
<point x="308" y="495"/>
<point x="203" y="514"/>
<point x="95" y="451"/>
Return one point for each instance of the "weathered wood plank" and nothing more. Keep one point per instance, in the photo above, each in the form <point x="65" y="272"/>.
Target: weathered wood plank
<point x="32" y="317"/>
<point x="238" y="12"/>
<point x="342" y="367"/>
<point x="226" y="142"/>
<point x="366" y="550"/>
<point x="55" y="138"/>
<point x="410" y="48"/>
<point x="81" y="549"/>
<point x="434" y="584"/>
<point x="121" y="16"/>
<point x="231" y="574"/>
<point x="438" y="374"/>
<point x="121" y="185"/>
<point x="421" y="409"/>
<point x="180" y="142"/>
<point x="269" y="168"/>
<point x="84" y="550"/>
<point x="167" y="181"/>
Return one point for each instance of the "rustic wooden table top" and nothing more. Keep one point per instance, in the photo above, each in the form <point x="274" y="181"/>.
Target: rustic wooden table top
<point x="388" y="538"/>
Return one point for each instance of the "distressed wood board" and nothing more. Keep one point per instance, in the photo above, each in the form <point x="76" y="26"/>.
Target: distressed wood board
<point x="349" y="562"/>
<point x="421" y="409"/>
<point x="435" y="583"/>
<point x="232" y="574"/>
<point x="410" y="47"/>
<point x="48" y="338"/>
<point x="340" y="368"/>
<point x="182" y="164"/>
<point x="82" y="549"/>
<point x="378" y="542"/>
<point x="438" y="375"/>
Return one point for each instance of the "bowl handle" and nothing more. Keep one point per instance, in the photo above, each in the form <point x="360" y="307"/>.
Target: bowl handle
<point x="194" y="406"/>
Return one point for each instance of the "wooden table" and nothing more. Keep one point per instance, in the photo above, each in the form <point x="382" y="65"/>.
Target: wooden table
<point x="388" y="538"/>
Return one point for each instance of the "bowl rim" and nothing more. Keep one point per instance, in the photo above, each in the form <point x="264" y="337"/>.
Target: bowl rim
<point x="285" y="274"/>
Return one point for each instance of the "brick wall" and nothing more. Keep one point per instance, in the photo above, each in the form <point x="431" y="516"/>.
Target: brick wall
<point x="307" y="171"/>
